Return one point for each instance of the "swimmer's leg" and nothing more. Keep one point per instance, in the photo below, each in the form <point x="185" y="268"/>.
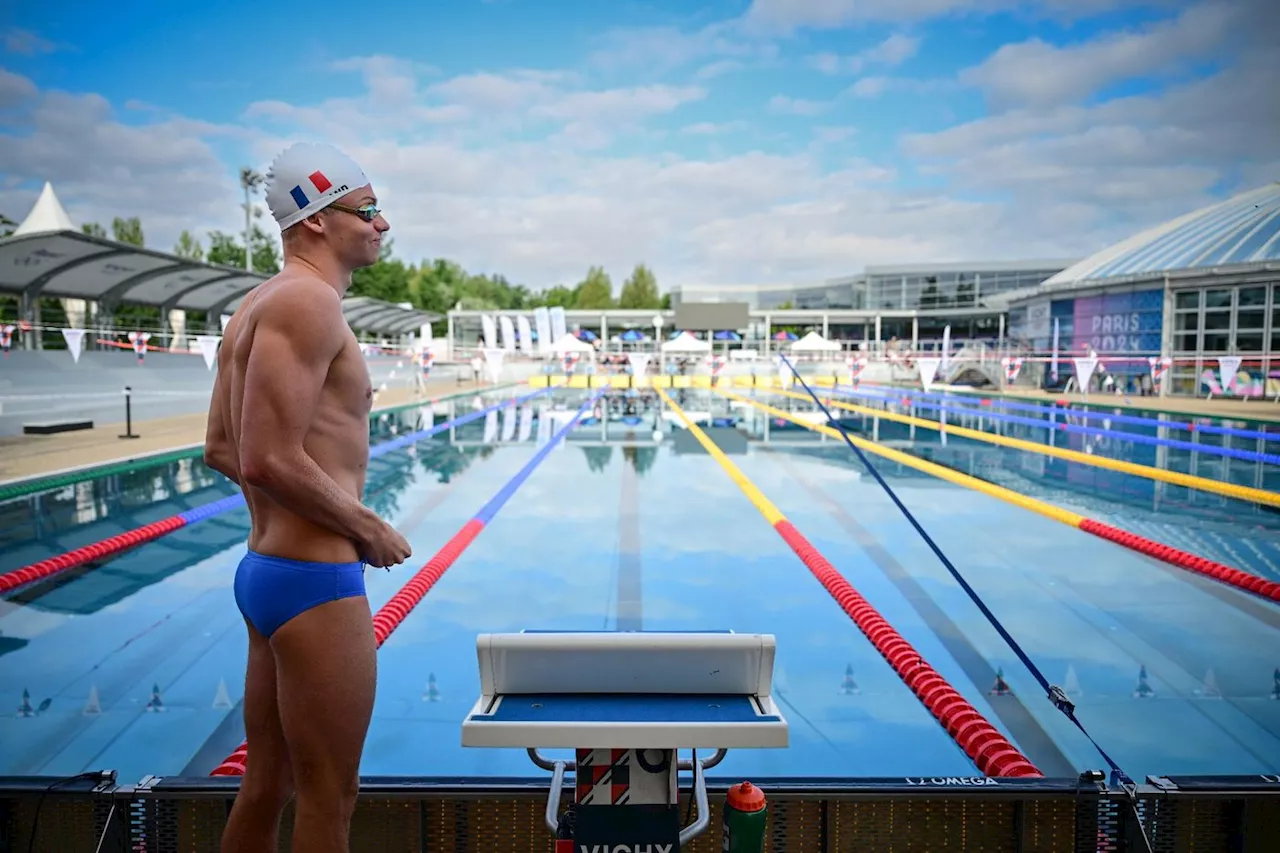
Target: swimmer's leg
<point x="326" y="664"/>
<point x="267" y="784"/>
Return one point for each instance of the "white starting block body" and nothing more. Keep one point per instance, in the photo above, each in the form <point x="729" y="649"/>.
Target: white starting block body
<point x="635" y="690"/>
<point x="626" y="702"/>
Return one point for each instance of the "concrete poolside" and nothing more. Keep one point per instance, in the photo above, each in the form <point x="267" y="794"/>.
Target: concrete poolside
<point x="36" y="455"/>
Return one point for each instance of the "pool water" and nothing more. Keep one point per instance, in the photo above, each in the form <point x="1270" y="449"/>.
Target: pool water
<point x="137" y="664"/>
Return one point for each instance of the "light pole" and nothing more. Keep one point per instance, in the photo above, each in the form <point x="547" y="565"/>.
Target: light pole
<point x="249" y="181"/>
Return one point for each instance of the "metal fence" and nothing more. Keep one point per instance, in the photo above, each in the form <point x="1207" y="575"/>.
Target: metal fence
<point x="410" y="815"/>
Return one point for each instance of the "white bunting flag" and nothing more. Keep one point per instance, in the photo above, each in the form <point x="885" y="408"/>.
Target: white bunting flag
<point x="928" y="370"/>
<point x="75" y="342"/>
<point x="208" y="348"/>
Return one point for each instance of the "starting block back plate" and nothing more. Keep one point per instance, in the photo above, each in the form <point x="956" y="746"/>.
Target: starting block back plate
<point x="625" y="690"/>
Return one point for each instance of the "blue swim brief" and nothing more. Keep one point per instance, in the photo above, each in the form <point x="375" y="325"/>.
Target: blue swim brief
<point x="272" y="590"/>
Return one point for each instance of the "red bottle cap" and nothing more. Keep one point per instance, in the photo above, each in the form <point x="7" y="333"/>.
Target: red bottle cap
<point x="745" y="797"/>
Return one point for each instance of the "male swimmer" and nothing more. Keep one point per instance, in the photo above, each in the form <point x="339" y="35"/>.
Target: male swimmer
<point x="289" y="422"/>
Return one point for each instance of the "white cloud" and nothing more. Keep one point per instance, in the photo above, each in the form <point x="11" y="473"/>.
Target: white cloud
<point x="166" y="171"/>
<point x="1034" y="72"/>
<point x="784" y="105"/>
<point x="786" y="16"/>
<point x="26" y="42"/>
<point x="896" y="49"/>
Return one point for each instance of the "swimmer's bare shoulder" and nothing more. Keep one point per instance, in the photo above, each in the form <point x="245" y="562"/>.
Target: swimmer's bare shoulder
<point x="292" y="337"/>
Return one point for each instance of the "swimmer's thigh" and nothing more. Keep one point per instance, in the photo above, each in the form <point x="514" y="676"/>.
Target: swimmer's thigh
<point x="326" y="669"/>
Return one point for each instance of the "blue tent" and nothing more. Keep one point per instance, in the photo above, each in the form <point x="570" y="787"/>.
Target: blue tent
<point x="727" y="335"/>
<point x="633" y="335"/>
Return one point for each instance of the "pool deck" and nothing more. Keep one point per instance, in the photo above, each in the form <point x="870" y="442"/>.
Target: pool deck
<point x="36" y="455"/>
<point x="1254" y="410"/>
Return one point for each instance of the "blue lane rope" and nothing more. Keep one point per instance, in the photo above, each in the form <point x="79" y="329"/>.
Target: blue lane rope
<point x="1056" y="694"/>
<point x="1178" y="444"/>
<point x="490" y="509"/>
<point x="1184" y="426"/>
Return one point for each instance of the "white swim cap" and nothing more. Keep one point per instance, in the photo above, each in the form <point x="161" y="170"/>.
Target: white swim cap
<point x="307" y="177"/>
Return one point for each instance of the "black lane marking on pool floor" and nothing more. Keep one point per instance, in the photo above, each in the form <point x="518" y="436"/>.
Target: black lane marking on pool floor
<point x="630" y="605"/>
<point x="1030" y="736"/>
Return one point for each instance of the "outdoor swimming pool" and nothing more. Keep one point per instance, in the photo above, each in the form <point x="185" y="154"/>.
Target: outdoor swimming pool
<point x="1171" y="672"/>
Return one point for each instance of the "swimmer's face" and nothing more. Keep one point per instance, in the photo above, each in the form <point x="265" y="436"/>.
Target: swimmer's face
<point x="356" y="237"/>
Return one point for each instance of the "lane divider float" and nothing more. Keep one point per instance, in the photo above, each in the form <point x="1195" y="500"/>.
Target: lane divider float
<point x="113" y="545"/>
<point x="990" y="751"/>
<point x="396" y="610"/>
<point x="1098" y="410"/>
<point x="1063" y="426"/>
<point x="1229" y="490"/>
<point x="1173" y="556"/>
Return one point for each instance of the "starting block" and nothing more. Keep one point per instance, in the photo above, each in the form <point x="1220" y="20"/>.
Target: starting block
<point x="625" y="702"/>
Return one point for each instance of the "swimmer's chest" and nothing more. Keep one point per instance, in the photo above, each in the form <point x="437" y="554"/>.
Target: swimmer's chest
<point x="348" y="380"/>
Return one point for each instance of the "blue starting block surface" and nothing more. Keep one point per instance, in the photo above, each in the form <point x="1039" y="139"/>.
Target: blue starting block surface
<point x="620" y="690"/>
<point x="628" y="708"/>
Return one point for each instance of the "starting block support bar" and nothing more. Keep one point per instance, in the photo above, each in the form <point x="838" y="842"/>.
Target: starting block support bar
<point x="548" y="764"/>
<point x="625" y="702"/>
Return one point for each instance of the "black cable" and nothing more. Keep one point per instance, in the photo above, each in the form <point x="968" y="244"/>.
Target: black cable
<point x="688" y="811"/>
<point x="96" y="775"/>
<point x="1056" y="694"/>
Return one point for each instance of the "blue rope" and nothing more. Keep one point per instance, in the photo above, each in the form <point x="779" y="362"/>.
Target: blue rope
<point x="1056" y="694"/>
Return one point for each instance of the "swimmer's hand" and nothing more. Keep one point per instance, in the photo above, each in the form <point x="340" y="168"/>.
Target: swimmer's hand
<point x="384" y="546"/>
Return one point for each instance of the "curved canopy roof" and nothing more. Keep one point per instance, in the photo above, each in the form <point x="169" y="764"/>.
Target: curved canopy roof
<point x="1242" y="230"/>
<point x="48" y="256"/>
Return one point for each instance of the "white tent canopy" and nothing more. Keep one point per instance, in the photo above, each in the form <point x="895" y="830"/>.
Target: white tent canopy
<point x="571" y="343"/>
<point x="814" y="342"/>
<point x="685" y="342"/>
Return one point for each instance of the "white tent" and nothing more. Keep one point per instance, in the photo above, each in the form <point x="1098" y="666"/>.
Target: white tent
<point x="571" y="343"/>
<point x="685" y="342"/>
<point x="814" y="342"/>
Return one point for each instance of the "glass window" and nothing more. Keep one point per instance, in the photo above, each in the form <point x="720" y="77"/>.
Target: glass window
<point x="1186" y="299"/>
<point x="1249" y="341"/>
<point x="1185" y="342"/>
<point x="1250" y="319"/>
<point x="1216" y="341"/>
<point x="1217" y="298"/>
<point x="1253" y="296"/>
<point x="1275" y="340"/>
<point x="1187" y="321"/>
<point x="1217" y="319"/>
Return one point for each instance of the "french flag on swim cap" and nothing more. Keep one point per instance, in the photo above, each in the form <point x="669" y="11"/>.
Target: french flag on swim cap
<point x="306" y="177"/>
<point x="318" y="180"/>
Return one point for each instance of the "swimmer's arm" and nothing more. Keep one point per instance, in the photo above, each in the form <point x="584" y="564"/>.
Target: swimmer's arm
<point x="294" y="343"/>
<point x="219" y="454"/>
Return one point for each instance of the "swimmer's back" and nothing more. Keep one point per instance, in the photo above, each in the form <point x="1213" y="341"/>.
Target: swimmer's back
<point x="297" y="381"/>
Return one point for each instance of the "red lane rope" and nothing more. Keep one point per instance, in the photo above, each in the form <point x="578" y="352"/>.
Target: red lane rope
<point x="990" y="750"/>
<point x="1183" y="560"/>
<point x="388" y="617"/>
<point x="88" y="553"/>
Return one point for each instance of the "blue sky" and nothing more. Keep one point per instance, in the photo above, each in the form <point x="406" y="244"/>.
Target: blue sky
<point x="724" y="142"/>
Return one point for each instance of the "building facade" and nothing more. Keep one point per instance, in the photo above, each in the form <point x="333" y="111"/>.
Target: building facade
<point x="1202" y="290"/>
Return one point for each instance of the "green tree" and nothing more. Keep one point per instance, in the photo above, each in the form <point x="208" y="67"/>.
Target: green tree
<point x="640" y="458"/>
<point x="128" y="231"/>
<point x="7" y="226"/>
<point x="225" y="250"/>
<point x="189" y="247"/>
<point x="388" y="279"/>
<point x="595" y="291"/>
<point x="641" y="290"/>
<point x="93" y="229"/>
<point x="559" y="296"/>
